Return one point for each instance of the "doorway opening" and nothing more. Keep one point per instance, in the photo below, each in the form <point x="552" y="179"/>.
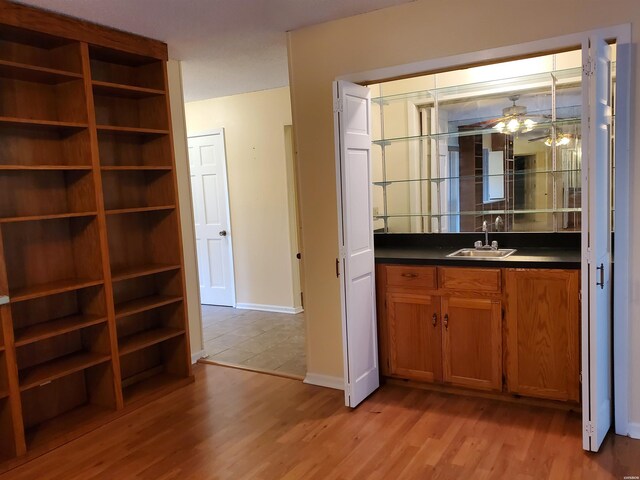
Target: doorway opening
<point x="254" y="336"/>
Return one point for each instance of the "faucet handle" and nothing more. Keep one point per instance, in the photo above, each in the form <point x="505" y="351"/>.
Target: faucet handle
<point x="494" y="245"/>
<point x="478" y="244"/>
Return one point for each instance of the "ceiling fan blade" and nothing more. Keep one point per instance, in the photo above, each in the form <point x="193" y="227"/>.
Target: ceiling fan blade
<point x="535" y="139"/>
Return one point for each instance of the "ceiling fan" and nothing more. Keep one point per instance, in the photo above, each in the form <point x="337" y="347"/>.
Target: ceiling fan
<point x="514" y="119"/>
<point x="560" y="140"/>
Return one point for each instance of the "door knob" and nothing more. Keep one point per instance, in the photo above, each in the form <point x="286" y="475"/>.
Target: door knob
<point x="434" y="320"/>
<point x="446" y="320"/>
<point x="223" y="233"/>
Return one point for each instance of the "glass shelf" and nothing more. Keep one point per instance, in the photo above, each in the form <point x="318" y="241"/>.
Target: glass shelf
<point x="497" y="87"/>
<point x="468" y="133"/>
<point x="479" y="213"/>
<point x="479" y="177"/>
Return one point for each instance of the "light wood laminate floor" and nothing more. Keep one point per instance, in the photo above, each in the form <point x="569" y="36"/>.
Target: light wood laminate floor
<point x="234" y="424"/>
<point x="255" y="339"/>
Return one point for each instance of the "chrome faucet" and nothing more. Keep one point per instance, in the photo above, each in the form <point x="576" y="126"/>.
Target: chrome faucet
<point x="478" y="245"/>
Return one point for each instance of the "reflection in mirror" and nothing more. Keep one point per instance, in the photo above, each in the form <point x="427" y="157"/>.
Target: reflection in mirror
<point x="455" y="149"/>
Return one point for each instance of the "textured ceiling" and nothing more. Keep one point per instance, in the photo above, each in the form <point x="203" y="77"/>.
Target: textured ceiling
<point x="227" y="46"/>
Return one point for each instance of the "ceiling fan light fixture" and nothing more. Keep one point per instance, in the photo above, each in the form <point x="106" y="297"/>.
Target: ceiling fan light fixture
<point x="500" y="127"/>
<point x="513" y="125"/>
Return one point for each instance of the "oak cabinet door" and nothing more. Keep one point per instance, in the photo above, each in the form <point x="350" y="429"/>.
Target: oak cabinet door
<point x="415" y="350"/>
<point x="543" y="333"/>
<point x="472" y="342"/>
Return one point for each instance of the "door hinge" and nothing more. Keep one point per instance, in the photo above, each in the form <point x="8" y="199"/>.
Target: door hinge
<point x="302" y="299"/>
<point x="337" y="105"/>
<point x="588" y="428"/>
<point x="588" y="68"/>
<point x="337" y="268"/>
<point x="580" y="296"/>
<point x="580" y="377"/>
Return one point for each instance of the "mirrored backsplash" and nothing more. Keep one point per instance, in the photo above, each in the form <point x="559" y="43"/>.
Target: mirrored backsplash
<point x="450" y="153"/>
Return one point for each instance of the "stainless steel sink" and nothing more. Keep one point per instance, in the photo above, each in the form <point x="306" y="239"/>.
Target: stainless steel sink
<point x="482" y="254"/>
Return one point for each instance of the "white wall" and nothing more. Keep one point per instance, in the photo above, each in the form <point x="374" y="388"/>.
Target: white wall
<point x="261" y="229"/>
<point x="186" y="211"/>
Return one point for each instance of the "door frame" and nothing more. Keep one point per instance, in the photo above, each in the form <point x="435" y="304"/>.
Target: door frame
<point x="622" y="292"/>
<point x="206" y="133"/>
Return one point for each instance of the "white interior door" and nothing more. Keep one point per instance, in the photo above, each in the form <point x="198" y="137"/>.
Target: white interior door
<point x="211" y="210"/>
<point x="360" y="343"/>
<point x="596" y="247"/>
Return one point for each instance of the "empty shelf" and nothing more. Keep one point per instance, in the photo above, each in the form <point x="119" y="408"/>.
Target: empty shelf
<point x="143" y="304"/>
<point x="51" y="124"/>
<point x="146" y="339"/>
<point x="31" y="73"/>
<point x="158" y="382"/>
<point x="52" y="328"/>
<point x="51" y="288"/>
<point x="60" y="367"/>
<point x="121" y="211"/>
<point x="131" y="130"/>
<point x="45" y="167"/>
<point x="134" y="168"/>
<point x="121" y="90"/>
<point x="53" y="216"/>
<point x="141" y="271"/>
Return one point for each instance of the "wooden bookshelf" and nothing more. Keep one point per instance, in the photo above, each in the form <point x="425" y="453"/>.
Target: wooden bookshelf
<point x="90" y="243"/>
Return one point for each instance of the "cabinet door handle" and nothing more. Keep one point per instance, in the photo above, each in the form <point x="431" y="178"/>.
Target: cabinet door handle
<point x="601" y="282"/>
<point x="409" y="275"/>
<point x="446" y="320"/>
<point x="434" y="320"/>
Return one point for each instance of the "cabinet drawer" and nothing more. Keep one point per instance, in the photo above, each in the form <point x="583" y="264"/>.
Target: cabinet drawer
<point x="470" y="279"/>
<point x="409" y="276"/>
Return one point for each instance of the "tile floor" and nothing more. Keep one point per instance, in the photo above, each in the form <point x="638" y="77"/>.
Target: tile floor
<point x="265" y="340"/>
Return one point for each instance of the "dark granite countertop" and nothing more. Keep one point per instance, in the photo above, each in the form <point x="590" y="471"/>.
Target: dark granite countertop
<point x="532" y="250"/>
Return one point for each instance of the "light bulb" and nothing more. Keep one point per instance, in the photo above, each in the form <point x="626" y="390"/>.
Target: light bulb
<point x="500" y="127"/>
<point x="528" y="125"/>
<point x="564" y="140"/>
<point x="513" y="125"/>
<point x="547" y="142"/>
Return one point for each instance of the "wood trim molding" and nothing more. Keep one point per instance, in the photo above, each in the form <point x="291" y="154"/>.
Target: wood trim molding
<point x="39" y="20"/>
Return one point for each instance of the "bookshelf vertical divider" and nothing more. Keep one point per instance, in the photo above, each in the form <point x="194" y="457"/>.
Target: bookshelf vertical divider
<point x="102" y="224"/>
<point x="93" y="319"/>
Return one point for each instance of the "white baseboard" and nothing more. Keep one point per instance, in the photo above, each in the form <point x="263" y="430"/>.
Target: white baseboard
<point x="197" y="356"/>
<point x="634" y="430"/>
<point x="269" y="308"/>
<point x="324" y="381"/>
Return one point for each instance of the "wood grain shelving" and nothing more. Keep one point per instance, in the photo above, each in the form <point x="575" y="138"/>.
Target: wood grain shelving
<point x="147" y="338"/>
<point x="33" y="73"/>
<point x="90" y="249"/>
<point x="122" y="90"/>
<point x="43" y="373"/>
<point x="52" y="288"/>
<point x="42" y="331"/>
<point x="141" y="271"/>
<point x="53" y="216"/>
<point x="158" y="208"/>
<point x="139" y="305"/>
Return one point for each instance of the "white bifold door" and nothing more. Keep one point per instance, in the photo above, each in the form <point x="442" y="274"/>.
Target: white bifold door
<point x="356" y="263"/>
<point x="208" y="168"/>
<point x="596" y="243"/>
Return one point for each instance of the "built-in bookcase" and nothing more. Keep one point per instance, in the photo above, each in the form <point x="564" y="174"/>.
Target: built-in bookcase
<point x="92" y="303"/>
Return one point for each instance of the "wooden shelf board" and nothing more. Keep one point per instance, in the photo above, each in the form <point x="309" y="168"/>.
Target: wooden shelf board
<point x="143" y="304"/>
<point x="53" y="216"/>
<point x="51" y="124"/>
<point x="147" y="338"/>
<point x="129" y="168"/>
<point x="141" y="271"/>
<point x="69" y="425"/>
<point x="122" y="90"/>
<point x="131" y="130"/>
<point x="41" y="331"/>
<point x="51" y="288"/>
<point x="60" y="367"/>
<point x="149" y="386"/>
<point x="45" y="167"/>
<point x="32" y="73"/>
<point x="121" y="211"/>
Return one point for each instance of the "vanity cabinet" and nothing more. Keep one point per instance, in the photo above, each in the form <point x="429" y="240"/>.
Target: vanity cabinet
<point x="445" y="325"/>
<point x="438" y="325"/>
<point x="542" y="330"/>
